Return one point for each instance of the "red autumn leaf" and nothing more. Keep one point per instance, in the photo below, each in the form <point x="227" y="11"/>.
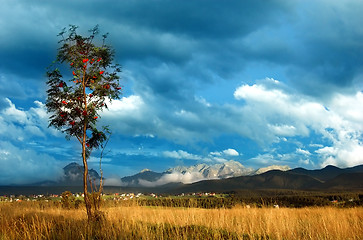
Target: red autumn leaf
<point x="64" y="102"/>
<point x="87" y="144"/>
<point x="90" y="95"/>
<point x="102" y="72"/>
<point x="74" y="73"/>
<point x="72" y="64"/>
<point x="99" y="59"/>
<point x="84" y="113"/>
<point x="60" y="84"/>
<point x="72" y="123"/>
<point x="85" y="60"/>
<point x="94" y="77"/>
<point x="95" y="117"/>
<point x="118" y="88"/>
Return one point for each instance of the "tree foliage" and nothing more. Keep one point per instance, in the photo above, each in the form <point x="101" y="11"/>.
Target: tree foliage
<point x="75" y="99"/>
<point x="92" y="80"/>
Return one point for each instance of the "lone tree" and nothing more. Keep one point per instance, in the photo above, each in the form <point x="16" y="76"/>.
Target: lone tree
<point x="75" y="99"/>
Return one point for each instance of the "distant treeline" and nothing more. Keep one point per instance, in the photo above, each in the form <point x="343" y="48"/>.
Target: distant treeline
<point x="285" y="198"/>
<point x="235" y="200"/>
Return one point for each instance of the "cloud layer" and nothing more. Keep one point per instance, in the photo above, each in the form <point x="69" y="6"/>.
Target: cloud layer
<point x="278" y="82"/>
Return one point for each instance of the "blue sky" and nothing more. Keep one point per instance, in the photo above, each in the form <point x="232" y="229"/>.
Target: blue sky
<point x="261" y="82"/>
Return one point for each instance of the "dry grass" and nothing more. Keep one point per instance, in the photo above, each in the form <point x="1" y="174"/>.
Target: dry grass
<point x="40" y="221"/>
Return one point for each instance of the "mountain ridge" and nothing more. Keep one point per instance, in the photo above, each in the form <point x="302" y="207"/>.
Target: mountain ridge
<point x="328" y="172"/>
<point x="276" y="179"/>
<point x="194" y="173"/>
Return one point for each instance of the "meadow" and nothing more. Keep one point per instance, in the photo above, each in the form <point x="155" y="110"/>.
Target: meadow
<point x="48" y="220"/>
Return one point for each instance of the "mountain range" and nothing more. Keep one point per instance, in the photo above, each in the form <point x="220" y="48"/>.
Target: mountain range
<point x="228" y="176"/>
<point x="195" y="173"/>
<point x="232" y="175"/>
<point x="349" y="179"/>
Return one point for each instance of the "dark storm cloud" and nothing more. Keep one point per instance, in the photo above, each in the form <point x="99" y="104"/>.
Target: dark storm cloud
<point x="319" y="44"/>
<point x="199" y="19"/>
<point x="333" y="39"/>
<point x="28" y="41"/>
<point x="204" y="38"/>
<point x="173" y="48"/>
<point x="139" y="29"/>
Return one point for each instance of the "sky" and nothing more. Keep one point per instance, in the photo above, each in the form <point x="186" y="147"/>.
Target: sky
<point x="275" y="82"/>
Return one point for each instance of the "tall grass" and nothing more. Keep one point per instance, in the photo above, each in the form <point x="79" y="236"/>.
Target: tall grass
<point x="47" y="221"/>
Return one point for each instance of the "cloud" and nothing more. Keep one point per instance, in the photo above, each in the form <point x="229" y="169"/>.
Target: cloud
<point x="220" y="157"/>
<point x="308" y="46"/>
<point x="180" y="154"/>
<point x="303" y="152"/>
<point x="25" y="135"/>
<point x="283" y="114"/>
<point x="270" y="112"/>
<point x="282" y="130"/>
<point x="113" y="181"/>
<point x="182" y="62"/>
<point x="126" y="115"/>
<point x="277" y="34"/>
<point x="174" y="177"/>
<point x="20" y="165"/>
<point x="346" y="151"/>
<point x="260" y="93"/>
<point x="23" y="124"/>
<point x="196" y="19"/>
<point x="230" y="152"/>
<point x="14" y="114"/>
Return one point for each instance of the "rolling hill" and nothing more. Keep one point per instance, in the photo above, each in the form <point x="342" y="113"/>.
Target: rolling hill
<point x="328" y="178"/>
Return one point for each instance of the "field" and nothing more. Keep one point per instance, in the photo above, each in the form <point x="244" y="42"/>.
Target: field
<point x="48" y="220"/>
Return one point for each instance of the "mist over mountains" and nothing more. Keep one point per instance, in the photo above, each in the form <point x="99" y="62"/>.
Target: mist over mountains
<point x="233" y="176"/>
<point x="195" y="173"/>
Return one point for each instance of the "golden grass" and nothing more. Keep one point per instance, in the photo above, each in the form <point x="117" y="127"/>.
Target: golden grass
<point x="35" y="221"/>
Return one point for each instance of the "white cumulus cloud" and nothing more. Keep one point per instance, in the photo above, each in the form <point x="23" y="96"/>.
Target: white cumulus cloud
<point x="19" y="165"/>
<point x="180" y="154"/>
<point x="275" y="113"/>
<point x="230" y="152"/>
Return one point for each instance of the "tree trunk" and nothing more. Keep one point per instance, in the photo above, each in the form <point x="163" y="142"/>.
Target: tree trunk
<point x="85" y="186"/>
<point x="87" y="200"/>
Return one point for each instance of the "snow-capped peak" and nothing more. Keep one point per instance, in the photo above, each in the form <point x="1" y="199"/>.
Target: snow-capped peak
<point x="272" y="167"/>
